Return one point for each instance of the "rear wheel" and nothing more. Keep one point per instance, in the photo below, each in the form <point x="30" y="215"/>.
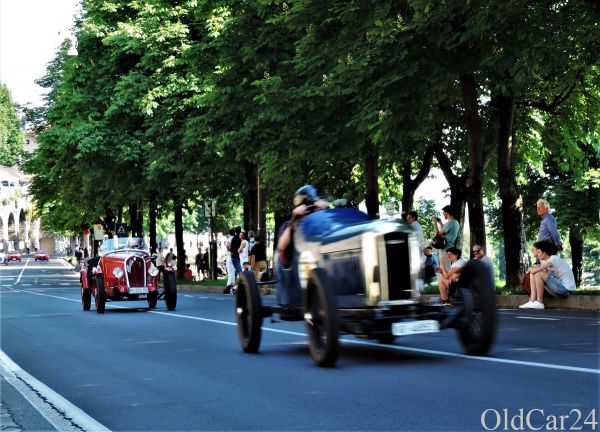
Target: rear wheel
<point x="320" y="320"/>
<point x="86" y="298"/>
<point x="100" y="297"/>
<point x="477" y="323"/>
<point x="248" y="308"/>
<point x="171" y="291"/>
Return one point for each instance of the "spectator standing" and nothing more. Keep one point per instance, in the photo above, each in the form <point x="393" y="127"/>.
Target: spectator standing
<point x="198" y="262"/>
<point x="170" y="257"/>
<point x="244" y="248"/>
<point x="258" y="257"/>
<point x="160" y="263"/>
<point x="229" y="263"/>
<point x="413" y="219"/>
<point x="548" y="227"/>
<point x="251" y="240"/>
<point x="432" y="264"/>
<point x="553" y="274"/>
<point x="205" y="264"/>
<point x="449" y="230"/>
<point x="236" y="242"/>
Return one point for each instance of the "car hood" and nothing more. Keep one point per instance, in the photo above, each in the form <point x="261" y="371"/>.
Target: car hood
<point x="332" y="225"/>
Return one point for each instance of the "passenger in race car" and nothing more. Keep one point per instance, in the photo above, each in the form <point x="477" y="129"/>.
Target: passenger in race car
<point x="306" y="201"/>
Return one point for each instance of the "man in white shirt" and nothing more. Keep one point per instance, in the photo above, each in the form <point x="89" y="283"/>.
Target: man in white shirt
<point x="554" y="274"/>
<point x="413" y="219"/>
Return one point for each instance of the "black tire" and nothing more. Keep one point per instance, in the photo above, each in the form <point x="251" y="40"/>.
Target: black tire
<point x="152" y="299"/>
<point x="386" y="339"/>
<point x="477" y="323"/>
<point x="100" y="297"/>
<point x="320" y="319"/>
<point x="86" y="298"/>
<point x="171" y="291"/>
<point x="248" y="311"/>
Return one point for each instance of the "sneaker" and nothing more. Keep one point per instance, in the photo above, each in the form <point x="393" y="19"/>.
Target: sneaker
<point x="528" y="305"/>
<point x="537" y="305"/>
<point x="227" y="289"/>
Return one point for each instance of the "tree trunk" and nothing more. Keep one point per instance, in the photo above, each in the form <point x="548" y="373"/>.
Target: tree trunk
<point x="576" y="242"/>
<point x="250" y="197"/>
<point x="371" y="183"/>
<point x="152" y="214"/>
<point x="474" y="182"/>
<point x="179" y="238"/>
<point x="458" y="194"/>
<point x="262" y="208"/>
<point x="511" y="199"/>
<point x="109" y="221"/>
<point x="410" y="185"/>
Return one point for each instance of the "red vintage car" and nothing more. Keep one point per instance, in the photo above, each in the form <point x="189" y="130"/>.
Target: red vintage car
<point x="14" y="256"/>
<point x="125" y="274"/>
<point x="42" y="256"/>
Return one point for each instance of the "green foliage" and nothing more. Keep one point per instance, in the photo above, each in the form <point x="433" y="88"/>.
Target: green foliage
<point x="11" y="138"/>
<point x="174" y="99"/>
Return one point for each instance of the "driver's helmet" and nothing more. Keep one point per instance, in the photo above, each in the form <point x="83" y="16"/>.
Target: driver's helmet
<point x="307" y="194"/>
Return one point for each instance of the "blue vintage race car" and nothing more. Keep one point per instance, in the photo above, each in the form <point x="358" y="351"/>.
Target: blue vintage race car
<point x="351" y="274"/>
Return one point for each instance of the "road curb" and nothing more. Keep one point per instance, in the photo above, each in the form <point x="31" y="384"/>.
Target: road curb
<point x="576" y="302"/>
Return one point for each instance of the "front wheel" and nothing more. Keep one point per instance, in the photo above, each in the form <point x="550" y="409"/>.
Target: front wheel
<point x="152" y="299"/>
<point x="477" y="322"/>
<point x="171" y="291"/>
<point x="320" y="319"/>
<point x="100" y="298"/>
<point x="248" y="311"/>
<point x="86" y="298"/>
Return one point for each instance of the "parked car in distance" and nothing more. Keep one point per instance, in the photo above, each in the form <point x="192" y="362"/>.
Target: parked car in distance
<point x="14" y="256"/>
<point x="42" y="256"/>
<point x="125" y="275"/>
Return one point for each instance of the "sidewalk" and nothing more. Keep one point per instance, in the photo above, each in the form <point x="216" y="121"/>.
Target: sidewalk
<point x="576" y="302"/>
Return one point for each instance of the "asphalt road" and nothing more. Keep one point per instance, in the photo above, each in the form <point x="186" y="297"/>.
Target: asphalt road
<point x="134" y="369"/>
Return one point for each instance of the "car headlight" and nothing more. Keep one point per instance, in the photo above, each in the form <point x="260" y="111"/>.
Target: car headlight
<point x="153" y="271"/>
<point x="117" y="272"/>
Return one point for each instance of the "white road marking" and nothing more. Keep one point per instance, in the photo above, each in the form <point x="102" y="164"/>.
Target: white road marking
<point x="537" y="318"/>
<point x="22" y="271"/>
<point x="367" y="343"/>
<point x="59" y="412"/>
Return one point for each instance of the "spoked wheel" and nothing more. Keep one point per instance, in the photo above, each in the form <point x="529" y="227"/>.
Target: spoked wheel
<point x="152" y="299"/>
<point x="248" y="311"/>
<point x="86" y="298"/>
<point x="100" y="298"/>
<point x="320" y="319"/>
<point x="477" y="323"/>
<point x="171" y="291"/>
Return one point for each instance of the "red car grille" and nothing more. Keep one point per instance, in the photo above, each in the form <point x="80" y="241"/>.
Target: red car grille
<point x="136" y="271"/>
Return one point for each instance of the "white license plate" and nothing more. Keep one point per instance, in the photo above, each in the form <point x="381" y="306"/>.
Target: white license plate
<point x="415" y="327"/>
<point x="142" y="290"/>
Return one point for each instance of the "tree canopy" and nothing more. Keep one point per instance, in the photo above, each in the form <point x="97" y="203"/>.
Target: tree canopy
<point x="169" y="104"/>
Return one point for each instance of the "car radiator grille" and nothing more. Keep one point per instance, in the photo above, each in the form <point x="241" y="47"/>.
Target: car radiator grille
<point x="398" y="265"/>
<point x="345" y="272"/>
<point x="136" y="272"/>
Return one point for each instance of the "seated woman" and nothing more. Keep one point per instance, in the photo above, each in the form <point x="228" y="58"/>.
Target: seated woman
<point x="449" y="275"/>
